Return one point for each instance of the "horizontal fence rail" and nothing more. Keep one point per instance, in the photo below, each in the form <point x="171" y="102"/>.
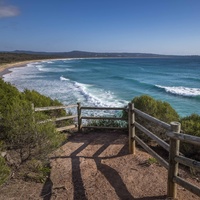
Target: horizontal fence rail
<point x="54" y="108"/>
<point x="185" y="138"/>
<point x="102" y="108"/>
<point x="153" y="136"/>
<point x="152" y="119"/>
<point x="188" y="162"/>
<point x="49" y="108"/>
<point x="153" y="153"/>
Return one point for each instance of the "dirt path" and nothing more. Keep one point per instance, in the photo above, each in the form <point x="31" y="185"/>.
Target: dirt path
<point x="97" y="166"/>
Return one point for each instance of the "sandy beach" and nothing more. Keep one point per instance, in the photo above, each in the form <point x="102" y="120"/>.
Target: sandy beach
<point x="4" y="69"/>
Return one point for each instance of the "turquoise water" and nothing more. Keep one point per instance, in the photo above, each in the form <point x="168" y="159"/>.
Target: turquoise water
<point x="115" y="82"/>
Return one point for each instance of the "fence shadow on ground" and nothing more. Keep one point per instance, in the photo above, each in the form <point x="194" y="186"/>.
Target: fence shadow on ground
<point x="111" y="145"/>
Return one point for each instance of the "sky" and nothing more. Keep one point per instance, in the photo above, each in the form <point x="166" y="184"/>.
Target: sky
<point x="170" y="27"/>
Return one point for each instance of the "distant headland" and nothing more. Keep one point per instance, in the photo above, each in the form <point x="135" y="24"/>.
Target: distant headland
<point x="21" y="55"/>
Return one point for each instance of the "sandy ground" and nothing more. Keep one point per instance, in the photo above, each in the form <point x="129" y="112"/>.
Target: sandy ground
<point x="4" y="68"/>
<point x="98" y="166"/>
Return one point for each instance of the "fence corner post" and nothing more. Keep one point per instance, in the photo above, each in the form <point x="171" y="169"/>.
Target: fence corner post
<point x="173" y="165"/>
<point x="79" y="117"/>
<point x="131" y="121"/>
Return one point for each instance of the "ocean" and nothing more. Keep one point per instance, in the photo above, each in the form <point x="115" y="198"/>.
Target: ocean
<point x="114" y="81"/>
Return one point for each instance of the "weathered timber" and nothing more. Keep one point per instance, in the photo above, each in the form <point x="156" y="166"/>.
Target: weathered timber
<point x="102" y="108"/>
<point x="109" y="118"/>
<point x="66" y="117"/>
<point x="152" y="119"/>
<point x="131" y="125"/>
<point x="57" y="119"/>
<point x="153" y="136"/>
<point x="103" y="127"/>
<point x="185" y="137"/>
<point x="189" y="186"/>
<point x="79" y="117"/>
<point x="163" y="162"/>
<point x="188" y="162"/>
<point x="173" y="165"/>
<point x="54" y="108"/>
<point x="66" y="128"/>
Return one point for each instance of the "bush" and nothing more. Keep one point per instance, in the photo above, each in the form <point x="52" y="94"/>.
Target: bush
<point x="107" y="123"/>
<point x="18" y="124"/>
<point x="191" y="125"/>
<point x="39" y="100"/>
<point x="158" y="109"/>
<point x="24" y="135"/>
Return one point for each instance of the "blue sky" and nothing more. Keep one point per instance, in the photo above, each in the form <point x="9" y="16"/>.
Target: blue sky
<point x="144" y="26"/>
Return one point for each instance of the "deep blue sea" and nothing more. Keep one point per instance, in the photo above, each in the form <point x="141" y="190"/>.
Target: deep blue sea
<point x="115" y="82"/>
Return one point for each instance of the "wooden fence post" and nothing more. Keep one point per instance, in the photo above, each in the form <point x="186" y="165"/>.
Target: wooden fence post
<point x="173" y="165"/>
<point x="79" y="117"/>
<point x="131" y="121"/>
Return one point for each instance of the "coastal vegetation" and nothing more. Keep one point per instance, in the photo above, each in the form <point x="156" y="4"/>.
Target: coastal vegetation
<point x="22" y="139"/>
<point x="191" y="126"/>
<point x="164" y="111"/>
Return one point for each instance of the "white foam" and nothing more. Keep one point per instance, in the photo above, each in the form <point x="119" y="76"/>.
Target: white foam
<point x="180" y="90"/>
<point x="62" y="78"/>
<point x="98" y="97"/>
<point x="43" y="68"/>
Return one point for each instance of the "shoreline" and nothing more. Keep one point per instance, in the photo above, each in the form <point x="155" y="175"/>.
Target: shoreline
<point x="5" y="68"/>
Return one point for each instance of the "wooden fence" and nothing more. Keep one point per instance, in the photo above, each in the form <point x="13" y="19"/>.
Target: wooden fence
<point x="175" y="157"/>
<point x="173" y="132"/>
<point x="40" y="109"/>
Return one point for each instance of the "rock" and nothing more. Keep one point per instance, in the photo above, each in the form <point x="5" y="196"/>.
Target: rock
<point x="3" y="154"/>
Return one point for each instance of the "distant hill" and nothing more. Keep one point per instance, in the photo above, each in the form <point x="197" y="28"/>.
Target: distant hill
<point x="20" y="55"/>
<point x="84" y="54"/>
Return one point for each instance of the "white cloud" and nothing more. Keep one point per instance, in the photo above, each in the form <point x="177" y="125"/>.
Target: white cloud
<point x="8" y="11"/>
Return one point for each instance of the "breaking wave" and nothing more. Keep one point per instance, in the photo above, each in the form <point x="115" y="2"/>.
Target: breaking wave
<point x="180" y="90"/>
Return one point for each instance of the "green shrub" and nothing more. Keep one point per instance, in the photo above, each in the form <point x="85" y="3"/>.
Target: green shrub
<point x="39" y="100"/>
<point x="151" y="161"/>
<point x="18" y="124"/>
<point x="4" y="171"/>
<point x="107" y="123"/>
<point x="158" y="109"/>
<point x="191" y="125"/>
<point x="26" y="136"/>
